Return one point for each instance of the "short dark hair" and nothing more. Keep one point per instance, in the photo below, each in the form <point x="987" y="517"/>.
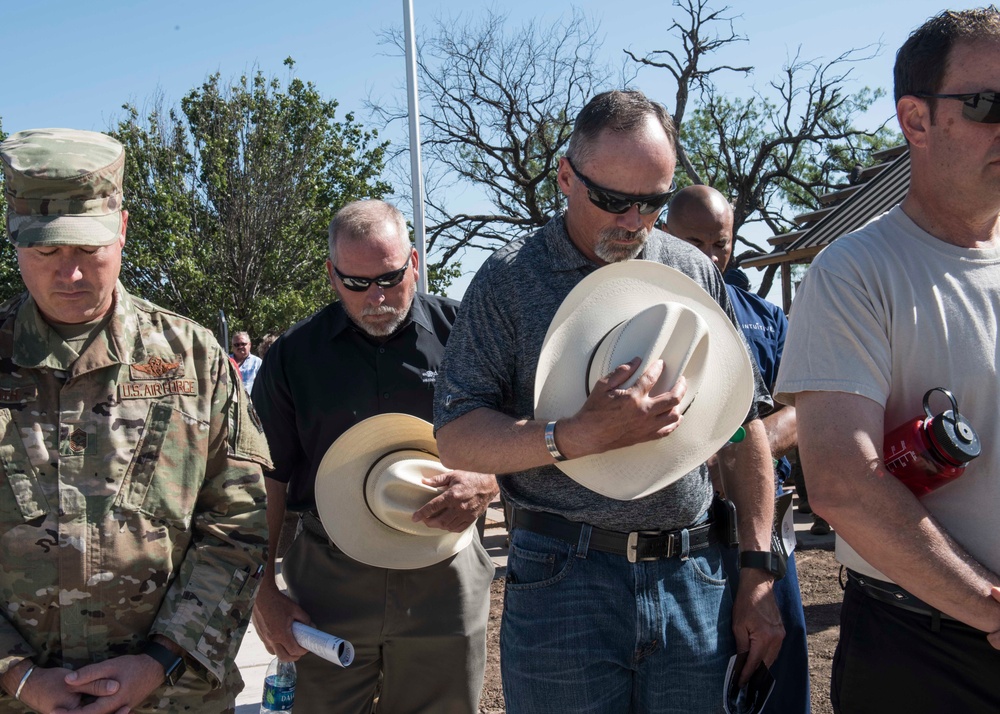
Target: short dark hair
<point x="359" y="218"/>
<point x="922" y="60"/>
<point x="617" y="110"/>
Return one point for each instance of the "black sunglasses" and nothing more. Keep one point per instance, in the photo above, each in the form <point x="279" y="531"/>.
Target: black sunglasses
<point x="982" y="107"/>
<point x="386" y="280"/>
<point x="618" y="203"/>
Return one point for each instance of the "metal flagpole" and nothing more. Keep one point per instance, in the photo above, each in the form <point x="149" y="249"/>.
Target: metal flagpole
<point x="416" y="178"/>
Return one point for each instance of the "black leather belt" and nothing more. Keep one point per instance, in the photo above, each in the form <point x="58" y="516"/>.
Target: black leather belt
<point x="892" y="594"/>
<point x="636" y="546"/>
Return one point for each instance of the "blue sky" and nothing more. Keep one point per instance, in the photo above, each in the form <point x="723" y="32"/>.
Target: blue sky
<point x="73" y="64"/>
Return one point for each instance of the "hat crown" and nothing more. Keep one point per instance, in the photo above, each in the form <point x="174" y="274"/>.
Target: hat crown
<point x="61" y="165"/>
<point x="394" y="489"/>
<point x="369" y="484"/>
<point x="55" y="176"/>
<point x="620" y="304"/>
<point x="669" y="331"/>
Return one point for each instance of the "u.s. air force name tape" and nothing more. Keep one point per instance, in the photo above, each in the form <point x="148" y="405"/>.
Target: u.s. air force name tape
<point x="323" y="645"/>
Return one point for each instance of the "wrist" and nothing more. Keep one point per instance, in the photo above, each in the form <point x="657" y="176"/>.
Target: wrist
<point x="12" y="677"/>
<point x="763" y="562"/>
<point x="550" y="442"/>
<point x="168" y="656"/>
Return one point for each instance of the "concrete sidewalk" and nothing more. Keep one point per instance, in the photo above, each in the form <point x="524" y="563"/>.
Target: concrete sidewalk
<point x="253" y="658"/>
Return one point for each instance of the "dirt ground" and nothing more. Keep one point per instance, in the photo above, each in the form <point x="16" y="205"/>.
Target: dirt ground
<point x="821" y="595"/>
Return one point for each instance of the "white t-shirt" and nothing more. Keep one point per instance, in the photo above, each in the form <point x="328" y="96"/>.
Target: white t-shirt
<point x="889" y="312"/>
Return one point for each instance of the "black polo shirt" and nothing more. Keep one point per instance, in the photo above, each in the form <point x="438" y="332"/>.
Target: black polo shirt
<point x="324" y="375"/>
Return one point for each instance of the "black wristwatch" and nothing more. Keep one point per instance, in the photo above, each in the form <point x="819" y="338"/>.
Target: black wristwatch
<point x="764" y="560"/>
<point x="173" y="664"/>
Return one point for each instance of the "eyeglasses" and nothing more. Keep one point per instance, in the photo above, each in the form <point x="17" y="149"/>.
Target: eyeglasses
<point x="241" y="344"/>
<point x="981" y="107"/>
<point x="619" y="203"/>
<point x="386" y="280"/>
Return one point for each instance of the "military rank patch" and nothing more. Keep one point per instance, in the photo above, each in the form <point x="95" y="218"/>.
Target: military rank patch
<point x="73" y="440"/>
<point x="154" y="390"/>
<point x="157" y="368"/>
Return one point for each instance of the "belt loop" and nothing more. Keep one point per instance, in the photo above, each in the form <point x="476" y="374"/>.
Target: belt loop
<point x="583" y="544"/>
<point x="685" y="544"/>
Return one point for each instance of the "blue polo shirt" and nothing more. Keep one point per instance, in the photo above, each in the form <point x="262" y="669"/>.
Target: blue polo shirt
<point x="764" y="325"/>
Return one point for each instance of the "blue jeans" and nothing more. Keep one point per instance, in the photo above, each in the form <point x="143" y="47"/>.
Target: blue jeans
<point x="586" y="631"/>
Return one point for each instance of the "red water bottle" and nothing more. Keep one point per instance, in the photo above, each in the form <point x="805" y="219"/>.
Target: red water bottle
<point x="926" y="453"/>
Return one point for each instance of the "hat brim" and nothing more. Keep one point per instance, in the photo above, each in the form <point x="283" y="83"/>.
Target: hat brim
<point x="38" y="231"/>
<point x="340" y="496"/>
<point x="604" y="299"/>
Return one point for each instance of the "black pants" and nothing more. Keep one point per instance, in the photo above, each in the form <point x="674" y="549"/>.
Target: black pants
<point x="890" y="660"/>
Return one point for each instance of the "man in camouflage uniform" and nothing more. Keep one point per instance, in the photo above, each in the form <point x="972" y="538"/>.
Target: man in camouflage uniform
<point x="132" y="506"/>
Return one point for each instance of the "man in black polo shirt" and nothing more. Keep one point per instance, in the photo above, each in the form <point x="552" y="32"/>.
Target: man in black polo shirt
<point x="374" y="351"/>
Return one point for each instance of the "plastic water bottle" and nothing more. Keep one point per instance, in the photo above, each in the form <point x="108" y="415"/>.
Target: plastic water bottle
<point x="279" y="687"/>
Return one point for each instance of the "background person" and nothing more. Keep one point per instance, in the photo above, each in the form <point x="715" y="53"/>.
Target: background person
<point x="247" y="361"/>
<point x="702" y="216"/>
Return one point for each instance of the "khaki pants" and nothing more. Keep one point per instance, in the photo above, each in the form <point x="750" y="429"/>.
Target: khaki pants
<point x="424" y="630"/>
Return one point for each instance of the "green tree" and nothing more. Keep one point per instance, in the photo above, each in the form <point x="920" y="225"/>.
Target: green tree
<point x="775" y="159"/>
<point x="231" y="196"/>
<point x="10" y="276"/>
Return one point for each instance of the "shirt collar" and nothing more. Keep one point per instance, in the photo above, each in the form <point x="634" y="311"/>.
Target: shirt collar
<point x="563" y="253"/>
<point x="37" y="345"/>
<point x="418" y="315"/>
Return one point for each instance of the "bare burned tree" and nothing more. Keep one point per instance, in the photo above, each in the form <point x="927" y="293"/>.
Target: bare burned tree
<point x="777" y="151"/>
<point x="698" y="39"/>
<point x="498" y="105"/>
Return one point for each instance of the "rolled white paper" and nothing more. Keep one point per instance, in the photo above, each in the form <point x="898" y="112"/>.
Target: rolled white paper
<point x="333" y="649"/>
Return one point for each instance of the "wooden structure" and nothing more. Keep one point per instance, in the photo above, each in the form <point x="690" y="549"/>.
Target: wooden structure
<point x="878" y="188"/>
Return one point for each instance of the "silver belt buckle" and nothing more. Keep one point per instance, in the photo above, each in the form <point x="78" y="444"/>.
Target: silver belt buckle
<point x="632" y="547"/>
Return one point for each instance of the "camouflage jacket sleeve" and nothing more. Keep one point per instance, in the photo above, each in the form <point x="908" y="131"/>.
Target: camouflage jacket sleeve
<point x="207" y="607"/>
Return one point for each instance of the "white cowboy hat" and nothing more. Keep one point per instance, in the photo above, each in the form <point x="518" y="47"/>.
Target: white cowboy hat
<point x="370" y="483"/>
<point x="639" y="308"/>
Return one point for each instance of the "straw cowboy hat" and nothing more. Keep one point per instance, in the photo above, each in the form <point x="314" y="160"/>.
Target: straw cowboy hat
<point x="370" y="483"/>
<point x="639" y="308"/>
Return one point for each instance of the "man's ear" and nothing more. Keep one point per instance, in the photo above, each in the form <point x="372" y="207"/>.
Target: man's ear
<point x="330" y="275"/>
<point x="121" y="238"/>
<point x="563" y="175"/>
<point x="914" y="116"/>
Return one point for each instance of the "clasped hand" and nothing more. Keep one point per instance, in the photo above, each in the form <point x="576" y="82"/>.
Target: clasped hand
<point x="613" y="417"/>
<point x="113" y="686"/>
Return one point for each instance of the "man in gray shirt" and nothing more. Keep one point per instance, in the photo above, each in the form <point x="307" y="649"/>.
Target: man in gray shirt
<point x="583" y="627"/>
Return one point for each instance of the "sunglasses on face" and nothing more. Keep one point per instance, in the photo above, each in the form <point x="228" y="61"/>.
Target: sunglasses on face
<point x="981" y="107"/>
<point x="386" y="280"/>
<point x="619" y="203"/>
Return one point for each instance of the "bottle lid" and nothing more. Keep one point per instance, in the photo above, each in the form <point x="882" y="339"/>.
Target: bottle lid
<point x="954" y="436"/>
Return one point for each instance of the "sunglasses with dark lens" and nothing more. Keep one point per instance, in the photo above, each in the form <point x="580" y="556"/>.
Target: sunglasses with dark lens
<point x="386" y="280"/>
<point x="618" y="203"/>
<point x="981" y="107"/>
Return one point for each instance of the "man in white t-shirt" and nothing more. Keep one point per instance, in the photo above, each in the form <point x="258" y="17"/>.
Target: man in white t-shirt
<point x="908" y="303"/>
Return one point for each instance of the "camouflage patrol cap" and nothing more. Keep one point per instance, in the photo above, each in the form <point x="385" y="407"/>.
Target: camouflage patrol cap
<point x="63" y="187"/>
